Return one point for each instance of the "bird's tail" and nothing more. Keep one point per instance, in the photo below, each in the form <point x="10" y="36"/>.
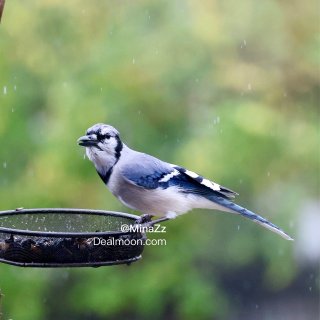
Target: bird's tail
<point x="234" y="208"/>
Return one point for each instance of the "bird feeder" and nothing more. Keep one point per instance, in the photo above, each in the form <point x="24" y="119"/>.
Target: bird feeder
<point x="69" y="238"/>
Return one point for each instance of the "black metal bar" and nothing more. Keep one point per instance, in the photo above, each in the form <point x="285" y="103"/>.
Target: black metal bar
<point x="69" y="210"/>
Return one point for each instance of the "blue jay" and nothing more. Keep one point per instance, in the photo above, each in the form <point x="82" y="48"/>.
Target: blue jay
<point x="154" y="187"/>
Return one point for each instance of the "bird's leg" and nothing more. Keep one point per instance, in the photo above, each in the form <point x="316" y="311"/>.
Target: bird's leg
<point x="153" y="222"/>
<point x="169" y="216"/>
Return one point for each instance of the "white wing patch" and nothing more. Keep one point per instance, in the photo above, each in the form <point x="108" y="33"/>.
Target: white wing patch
<point x="212" y="185"/>
<point x="191" y="174"/>
<point x="170" y="175"/>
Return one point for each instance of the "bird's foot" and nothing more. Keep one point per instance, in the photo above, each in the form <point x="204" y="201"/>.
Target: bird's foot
<point x="145" y="218"/>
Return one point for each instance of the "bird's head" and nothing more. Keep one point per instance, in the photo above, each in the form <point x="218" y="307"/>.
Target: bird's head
<point x="103" y="146"/>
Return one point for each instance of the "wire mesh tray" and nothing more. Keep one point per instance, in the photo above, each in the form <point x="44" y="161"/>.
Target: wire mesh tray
<point x="68" y="238"/>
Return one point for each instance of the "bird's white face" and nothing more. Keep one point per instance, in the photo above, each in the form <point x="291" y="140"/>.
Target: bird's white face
<point x="103" y="146"/>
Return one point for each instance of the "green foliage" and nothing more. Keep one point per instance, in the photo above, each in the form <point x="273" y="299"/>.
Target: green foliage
<point x="228" y="89"/>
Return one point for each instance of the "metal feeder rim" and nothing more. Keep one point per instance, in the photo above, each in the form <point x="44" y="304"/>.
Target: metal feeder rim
<point x="66" y="234"/>
<point x="70" y="265"/>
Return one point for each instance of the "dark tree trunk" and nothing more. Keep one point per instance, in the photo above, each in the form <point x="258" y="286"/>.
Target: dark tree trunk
<point x="1" y="7"/>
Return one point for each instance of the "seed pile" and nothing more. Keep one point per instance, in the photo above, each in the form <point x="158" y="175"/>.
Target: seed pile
<point x="51" y="250"/>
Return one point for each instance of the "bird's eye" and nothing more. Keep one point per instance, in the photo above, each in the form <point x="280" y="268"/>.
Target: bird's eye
<point x="101" y="136"/>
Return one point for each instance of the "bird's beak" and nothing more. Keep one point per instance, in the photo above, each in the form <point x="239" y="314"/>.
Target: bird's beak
<point x="88" y="141"/>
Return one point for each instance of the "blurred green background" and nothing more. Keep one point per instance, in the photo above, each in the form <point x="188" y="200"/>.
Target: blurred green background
<point x="229" y="89"/>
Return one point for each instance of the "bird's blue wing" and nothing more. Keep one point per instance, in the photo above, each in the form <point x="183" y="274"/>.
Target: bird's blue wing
<point x="195" y="183"/>
<point x="146" y="171"/>
<point x="150" y="173"/>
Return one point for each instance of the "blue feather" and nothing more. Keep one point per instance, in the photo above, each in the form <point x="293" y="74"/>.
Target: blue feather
<point x="248" y="214"/>
<point x="147" y="172"/>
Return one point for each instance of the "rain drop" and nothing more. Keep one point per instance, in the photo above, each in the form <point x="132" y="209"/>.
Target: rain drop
<point x="249" y="87"/>
<point x="5" y="90"/>
<point x="5" y="165"/>
<point x="243" y="44"/>
<point x="133" y="61"/>
<point x="216" y="120"/>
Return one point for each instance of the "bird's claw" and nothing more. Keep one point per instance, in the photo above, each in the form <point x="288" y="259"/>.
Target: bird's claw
<point x="145" y="218"/>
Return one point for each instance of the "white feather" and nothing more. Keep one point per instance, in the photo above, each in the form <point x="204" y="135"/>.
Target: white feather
<point x="170" y="175"/>
<point x="210" y="184"/>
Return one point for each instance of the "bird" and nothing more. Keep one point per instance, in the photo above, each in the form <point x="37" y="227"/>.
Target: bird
<point x="155" y="187"/>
